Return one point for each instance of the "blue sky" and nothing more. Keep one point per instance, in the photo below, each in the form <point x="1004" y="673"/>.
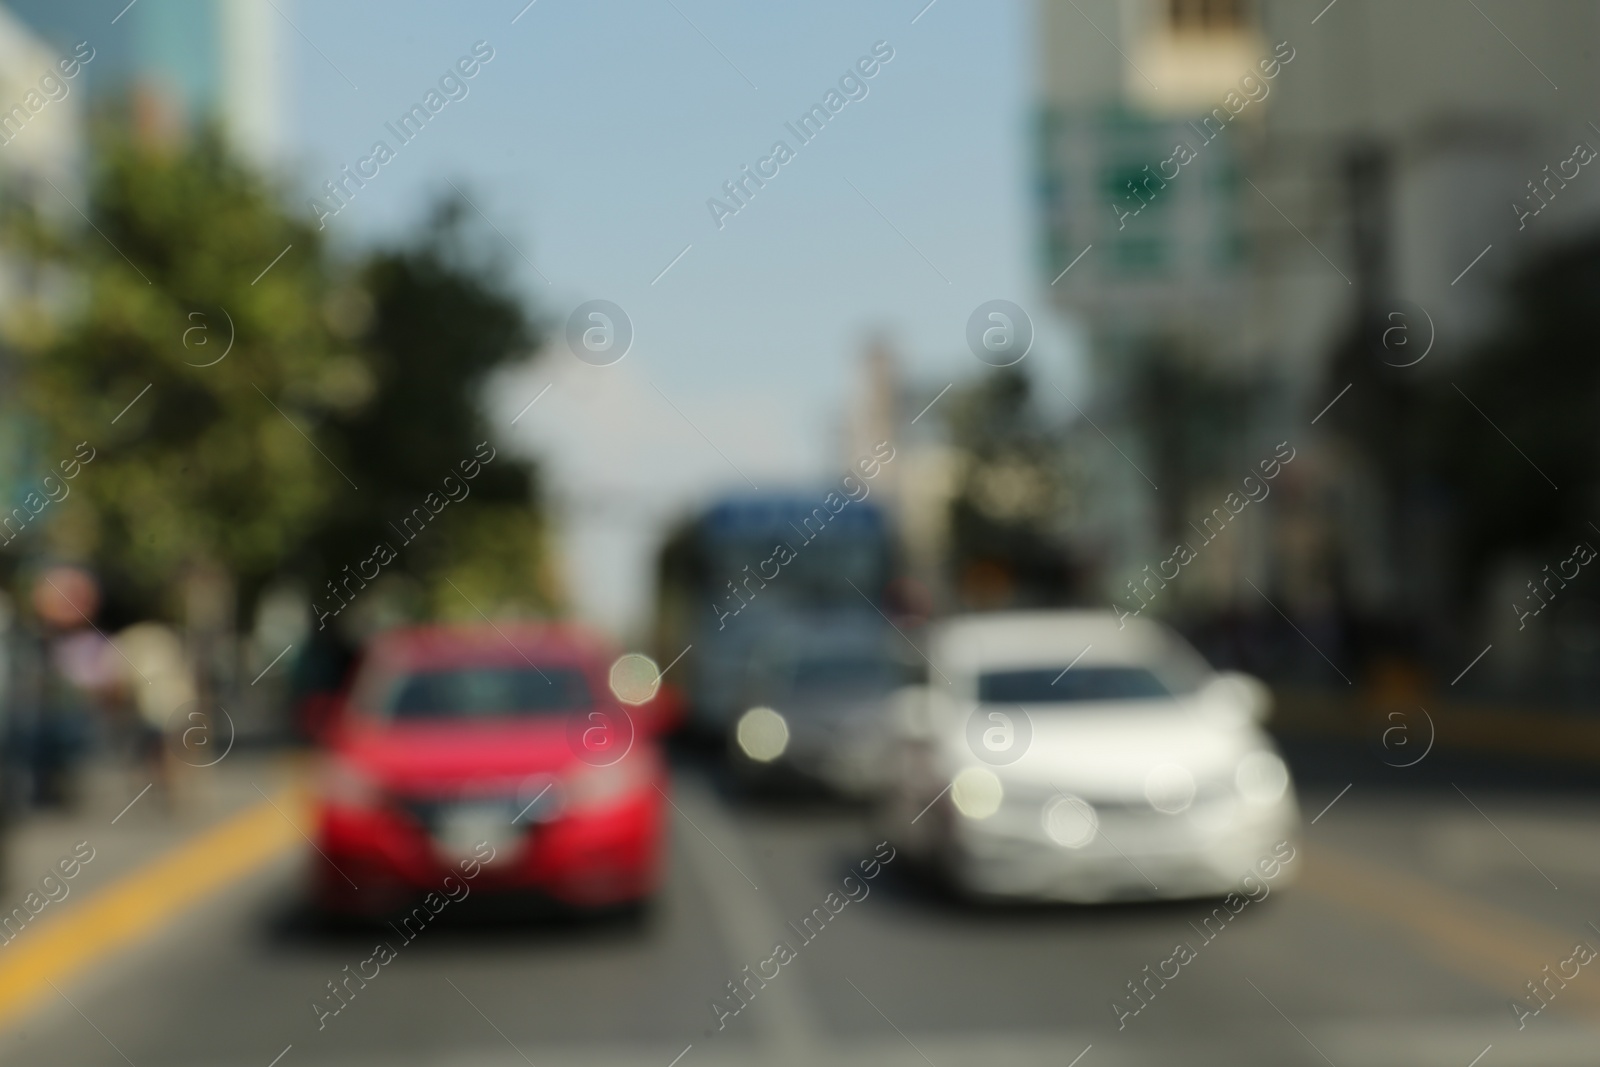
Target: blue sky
<point x="593" y="140"/>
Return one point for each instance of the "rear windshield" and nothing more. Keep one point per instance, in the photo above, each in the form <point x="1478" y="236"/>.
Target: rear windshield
<point x="483" y="693"/>
<point x="1054" y="685"/>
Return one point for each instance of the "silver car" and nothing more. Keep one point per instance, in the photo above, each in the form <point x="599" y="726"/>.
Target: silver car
<point x="816" y="711"/>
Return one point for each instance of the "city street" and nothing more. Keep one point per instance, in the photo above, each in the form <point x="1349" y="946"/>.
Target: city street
<point x="462" y="466"/>
<point x="1415" y="918"/>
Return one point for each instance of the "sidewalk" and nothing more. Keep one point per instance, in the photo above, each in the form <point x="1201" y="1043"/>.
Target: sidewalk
<point x="137" y="862"/>
<point x="153" y="824"/>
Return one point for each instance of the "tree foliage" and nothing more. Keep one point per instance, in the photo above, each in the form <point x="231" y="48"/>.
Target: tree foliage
<point x="436" y="321"/>
<point x="1538" y="486"/>
<point x="195" y="463"/>
<point x="257" y="406"/>
<point x="1500" y="443"/>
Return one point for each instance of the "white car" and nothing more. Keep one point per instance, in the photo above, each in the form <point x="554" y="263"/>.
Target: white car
<point x="1062" y="755"/>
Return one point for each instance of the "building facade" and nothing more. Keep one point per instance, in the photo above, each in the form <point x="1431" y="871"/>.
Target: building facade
<point x="1250" y="184"/>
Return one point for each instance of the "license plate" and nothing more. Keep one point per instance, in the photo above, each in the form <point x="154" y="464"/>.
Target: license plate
<point x="463" y="828"/>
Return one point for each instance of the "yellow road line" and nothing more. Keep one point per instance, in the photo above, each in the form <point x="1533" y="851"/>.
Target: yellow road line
<point x="140" y="904"/>
<point x="1498" y="948"/>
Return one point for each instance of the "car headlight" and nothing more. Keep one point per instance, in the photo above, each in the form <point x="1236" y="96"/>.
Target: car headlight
<point x="344" y="785"/>
<point x="1070" y="821"/>
<point x="762" y="734"/>
<point x="1262" y="778"/>
<point x="595" y="787"/>
<point x="977" y="792"/>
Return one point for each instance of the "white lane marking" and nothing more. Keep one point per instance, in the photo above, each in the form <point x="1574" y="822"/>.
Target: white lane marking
<point x="786" y="1024"/>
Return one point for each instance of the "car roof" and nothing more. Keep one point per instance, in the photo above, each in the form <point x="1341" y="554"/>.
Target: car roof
<point x="968" y="643"/>
<point x="490" y="644"/>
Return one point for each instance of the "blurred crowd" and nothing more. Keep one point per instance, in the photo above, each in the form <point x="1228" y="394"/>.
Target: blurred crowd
<point x="68" y="688"/>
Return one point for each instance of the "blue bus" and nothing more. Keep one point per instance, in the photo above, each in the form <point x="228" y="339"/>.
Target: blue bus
<point x="752" y="567"/>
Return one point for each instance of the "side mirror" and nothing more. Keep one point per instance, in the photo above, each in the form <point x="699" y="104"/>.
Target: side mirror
<point x="318" y="715"/>
<point x="662" y="713"/>
<point x="1237" y="693"/>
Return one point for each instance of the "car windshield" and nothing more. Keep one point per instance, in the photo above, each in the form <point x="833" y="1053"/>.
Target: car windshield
<point x="855" y="674"/>
<point x="1055" y="685"/>
<point x="483" y="693"/>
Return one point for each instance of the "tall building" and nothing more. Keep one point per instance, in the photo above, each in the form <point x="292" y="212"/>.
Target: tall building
<point x="165" y="64"/>
<point x="155" y="66"/>
<point x="40" y="159"/>
<point x="1246" y="180"/>
<point x="40" y="115"/>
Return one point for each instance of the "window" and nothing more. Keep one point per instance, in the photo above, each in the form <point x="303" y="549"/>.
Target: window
<point x="1135" y="185"/>
<point x="484" y="693"/>
<point x="847" y="675"/>
<point x="1056" y="685"/>
<point x="1139" y="255"/>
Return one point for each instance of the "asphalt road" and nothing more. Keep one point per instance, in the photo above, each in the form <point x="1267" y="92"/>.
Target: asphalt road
<point x="1420" y="910"/>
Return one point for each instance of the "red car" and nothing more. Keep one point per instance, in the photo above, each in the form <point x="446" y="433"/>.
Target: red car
<point x="455" y="743"/>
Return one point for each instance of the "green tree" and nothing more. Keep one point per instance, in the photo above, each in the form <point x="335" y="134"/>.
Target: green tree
<point x="258" y="409"/>
<point x="436" y="319"/>
<point x="200" y="458"/>
<point x="1470" y="453"/>
<point x="1537" y="382"/>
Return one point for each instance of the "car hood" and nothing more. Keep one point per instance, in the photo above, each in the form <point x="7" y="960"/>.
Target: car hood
<point x="1107" y="750"/>
<point x="423" y="755"/>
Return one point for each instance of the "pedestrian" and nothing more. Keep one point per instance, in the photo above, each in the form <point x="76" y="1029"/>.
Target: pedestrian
<point x="160" y="682"/>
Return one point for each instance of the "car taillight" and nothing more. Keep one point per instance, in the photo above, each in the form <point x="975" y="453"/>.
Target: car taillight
<point x="595" y="787"/>
<point x="345" y="786"/>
